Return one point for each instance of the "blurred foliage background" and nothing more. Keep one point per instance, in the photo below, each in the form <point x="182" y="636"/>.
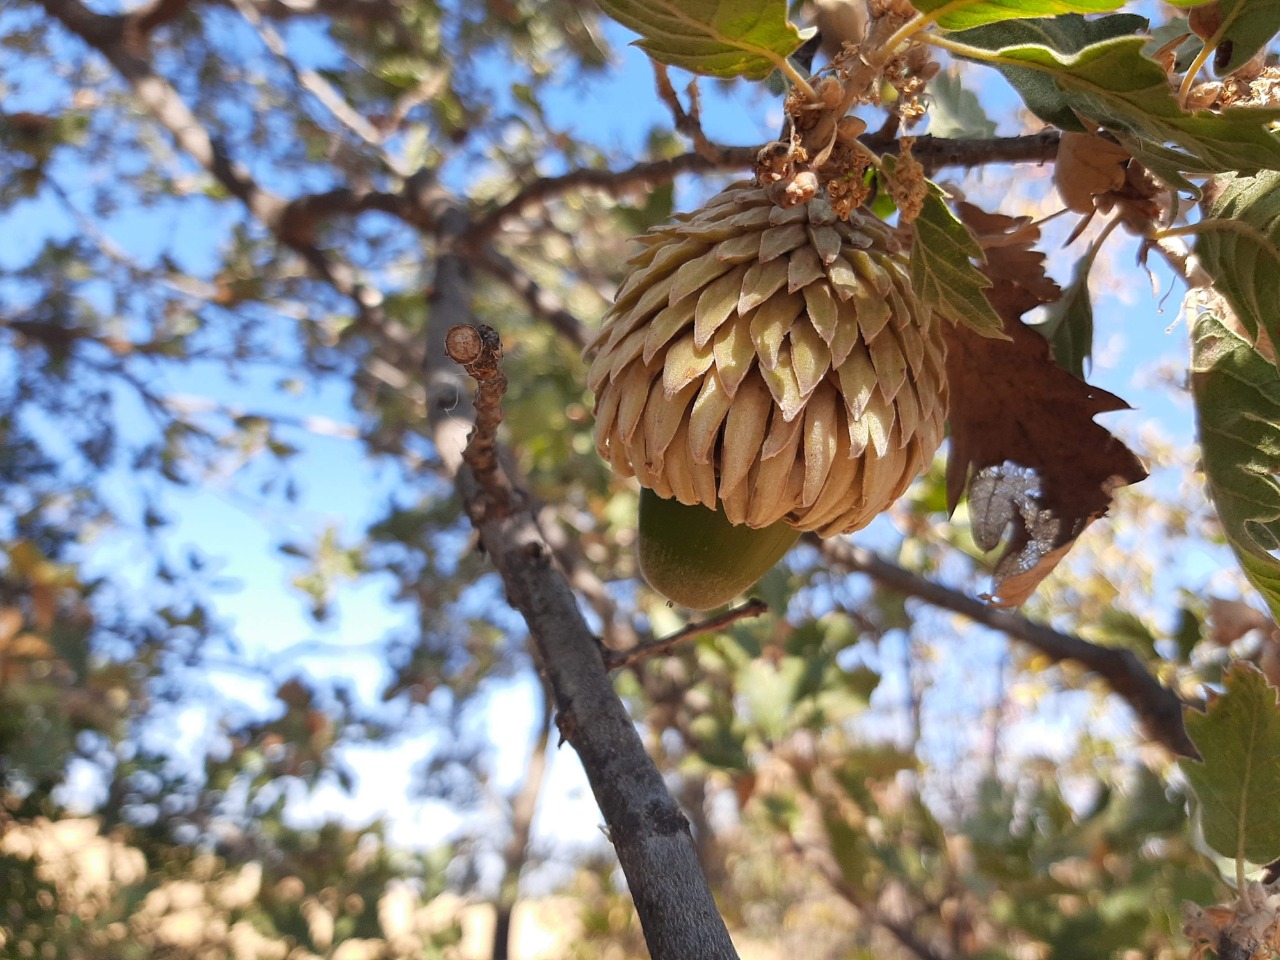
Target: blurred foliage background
<point x="231" y="302"/>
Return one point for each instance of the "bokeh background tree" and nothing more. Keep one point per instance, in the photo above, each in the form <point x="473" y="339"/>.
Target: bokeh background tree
<point x="232" y="236"/>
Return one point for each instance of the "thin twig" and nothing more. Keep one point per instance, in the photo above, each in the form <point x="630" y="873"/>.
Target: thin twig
<point x="616" y="659"/>
<point x="1157" y="707"/>
<point x="109" y="36"/>
<point x="689" y="123"/>
<point x="316" y="85"/>
<point x="935" y="153"/>
<point x="649" y="174"/>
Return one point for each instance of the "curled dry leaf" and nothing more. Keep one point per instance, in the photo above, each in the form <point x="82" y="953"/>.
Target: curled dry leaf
<point x="1014" y="266"/>
<point x="1232" y="619"/>
<point x="1087" y="166"/>
<point x="1022" y="432"/>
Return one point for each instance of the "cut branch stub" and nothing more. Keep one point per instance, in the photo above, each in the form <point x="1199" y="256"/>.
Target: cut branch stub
<point x="478" y="350"/>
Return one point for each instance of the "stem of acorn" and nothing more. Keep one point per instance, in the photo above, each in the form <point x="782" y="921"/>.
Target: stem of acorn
<point x="906" y="32"/>
<point x="797" y="78"/>
<point x="1193" y="71"/>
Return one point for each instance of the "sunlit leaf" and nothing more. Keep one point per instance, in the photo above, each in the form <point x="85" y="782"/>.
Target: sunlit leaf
<point x="942" y="269"/>
<point x="1238" y="243"/>
<point x="1062" y="75"/>
<point x="1238" y="782"/>
<point x="960" y="14"/>
<point x="720" y="38"/>
<point x="1067" y="35"/>
<point x="1068" y="325"/>
<point x="1237" y="397"/>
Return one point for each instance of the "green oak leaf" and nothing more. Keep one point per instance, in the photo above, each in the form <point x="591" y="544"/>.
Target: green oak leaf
<point x="1247" y="25"/>
<point x="1238" y="243"/>
<point x="942" y="271"/>
<point x="1111" y="83"/>
<point x="956" y="111"/>
<point x="1068" y="322"/>
<point x="718" y="38"/>
<point x="1066" y="35"/>
<point x="1238" y="782"/>
<point x="962" y="14"/>
<point x="1237" y="399"/>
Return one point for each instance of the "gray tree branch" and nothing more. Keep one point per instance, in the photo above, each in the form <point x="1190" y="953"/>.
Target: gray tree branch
<point x="110" y="36"/>
<point x="648" y="830"/>
<point x="934" y="153"/>
<point x="1157" y="707"/>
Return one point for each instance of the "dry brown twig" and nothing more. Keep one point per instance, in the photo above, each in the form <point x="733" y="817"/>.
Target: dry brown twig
<point x="1158" y="707"/>
<point x="687" y="122"/>
<point x="478" y="350"/>
<point x="616" y="659"/>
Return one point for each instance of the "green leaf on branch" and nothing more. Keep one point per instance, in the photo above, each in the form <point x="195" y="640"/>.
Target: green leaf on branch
<point x="1237" y="397"/>
<point x="1067" y="35"/>
<point x="1247" y="26"/>
<point x="718" y="38"/>
<point x="1238" y="243"/>
<point x="1064" y="72"/>
<point x="1068" y="323"/>
<point x="955" y="111"/>
<point x="943" y="274"/>
<point x="962" y="14"/>
<point x="1238" y="782"/>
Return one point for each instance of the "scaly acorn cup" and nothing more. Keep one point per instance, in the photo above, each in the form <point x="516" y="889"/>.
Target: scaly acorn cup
<point x="772" y="362"/>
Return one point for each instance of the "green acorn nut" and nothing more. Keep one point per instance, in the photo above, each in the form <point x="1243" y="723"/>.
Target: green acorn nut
<point x="765" y="365"/>
<point x="695" y="557"/>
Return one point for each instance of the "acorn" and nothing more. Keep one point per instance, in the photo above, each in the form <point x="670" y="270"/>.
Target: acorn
<point x="770" y="363"/>
<point x="695" y="557"/>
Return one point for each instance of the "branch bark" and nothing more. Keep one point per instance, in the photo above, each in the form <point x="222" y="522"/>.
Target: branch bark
<point x="1157" y="707"/>
<point x="934" y="153"/>
<point x="649" y="833"/>
<point x="648" y="830"/>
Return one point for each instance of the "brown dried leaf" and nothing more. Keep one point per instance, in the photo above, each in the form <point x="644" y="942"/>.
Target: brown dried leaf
<point x="1015" y="267"/>
<point x="1087" y="165"/>
<point x="1232" y="619"/>
<point x="1022" y="430"/>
